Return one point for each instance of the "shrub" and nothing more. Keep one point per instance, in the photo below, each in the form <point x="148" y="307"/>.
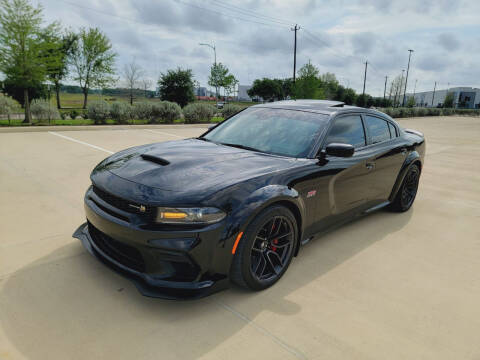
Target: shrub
<point x="165" y="111"/>
<point x="421" y="111"/>
<point x="198" y="112"/>
<point x="43" y="110"/>
<point x="74" y="113"/>
<point x="98" y="111"/>
<point x="121" y="112"/>
<point x="447" y="111"/>
<point x="230" y="110"/>
<point x="142" y="110"/>
<point x="8" y="106"/>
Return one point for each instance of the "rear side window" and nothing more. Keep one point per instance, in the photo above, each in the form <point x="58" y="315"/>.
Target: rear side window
<point x="347" y="130"/>
<point x="393" y="131"/>
<point x="377" y="129"/>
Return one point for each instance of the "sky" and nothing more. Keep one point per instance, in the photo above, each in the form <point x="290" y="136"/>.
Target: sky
<point x="254" y="38"/>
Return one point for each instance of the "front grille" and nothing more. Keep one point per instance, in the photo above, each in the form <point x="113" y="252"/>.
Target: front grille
<point x="122" y="204"/>
<point x="123" y="253"/>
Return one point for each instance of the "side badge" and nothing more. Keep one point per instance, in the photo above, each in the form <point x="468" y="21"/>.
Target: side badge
<point x="311" y="193"/>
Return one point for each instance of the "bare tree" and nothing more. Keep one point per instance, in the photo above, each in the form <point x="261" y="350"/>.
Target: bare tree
<point x="147" y="83"/>
<point x="132" y="73"/>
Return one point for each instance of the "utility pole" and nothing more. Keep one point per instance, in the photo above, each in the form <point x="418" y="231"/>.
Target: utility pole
<point x="296" y="28"/>
<point x="406" y="79"/>
<point x="434" y="88"/>
<point x="385" y="90"/>
<point x="365" y="78"/>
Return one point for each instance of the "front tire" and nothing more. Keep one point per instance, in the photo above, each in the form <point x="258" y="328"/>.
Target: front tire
<point x="408" y="191"/>
<point x="265" y="249"/>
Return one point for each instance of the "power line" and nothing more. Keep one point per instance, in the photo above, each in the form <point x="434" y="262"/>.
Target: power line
<point x="250" y="13"/>
<point x="228" y="15"/>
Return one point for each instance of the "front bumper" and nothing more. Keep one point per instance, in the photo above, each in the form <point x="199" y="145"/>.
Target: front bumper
<point x="161" y="263"/>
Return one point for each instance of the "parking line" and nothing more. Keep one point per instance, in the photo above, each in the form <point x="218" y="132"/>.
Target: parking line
<point x="164" y="133"/>
<point x="80" y="142"/>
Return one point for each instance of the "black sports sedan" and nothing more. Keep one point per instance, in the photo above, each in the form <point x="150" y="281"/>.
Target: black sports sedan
<point x="184" y="218"/>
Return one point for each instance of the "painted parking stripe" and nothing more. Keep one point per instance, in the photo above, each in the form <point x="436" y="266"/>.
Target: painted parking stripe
<point x="165" y="133"/>
<point x="80" y="142"/>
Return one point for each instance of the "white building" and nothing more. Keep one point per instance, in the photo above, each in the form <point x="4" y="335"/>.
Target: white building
<point x="463" y="97"/>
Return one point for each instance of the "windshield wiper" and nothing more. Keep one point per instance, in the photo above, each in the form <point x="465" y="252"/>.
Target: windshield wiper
<point x="203" y="139"/>
<point x="240" y="146"/>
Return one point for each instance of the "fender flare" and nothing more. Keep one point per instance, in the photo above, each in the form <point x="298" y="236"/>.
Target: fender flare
<point x="412" y="158"/>
<point x="262" y="198"/>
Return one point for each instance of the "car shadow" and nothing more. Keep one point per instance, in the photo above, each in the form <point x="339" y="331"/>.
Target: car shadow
<point x="74" y="307"/>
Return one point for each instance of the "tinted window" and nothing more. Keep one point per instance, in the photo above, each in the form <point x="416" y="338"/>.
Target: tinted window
<point x="276" y="131"/>
<point x="377" y="129"/>
<point x="393" y="131"/>
<point x="347" y="130"/>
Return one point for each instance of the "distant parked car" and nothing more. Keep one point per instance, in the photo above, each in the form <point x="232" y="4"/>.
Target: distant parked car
<point x="183" y="218"/>
<point x="220" y="105"/>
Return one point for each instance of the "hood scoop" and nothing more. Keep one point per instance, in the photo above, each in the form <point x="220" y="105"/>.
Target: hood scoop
<point x="155" y="159"/>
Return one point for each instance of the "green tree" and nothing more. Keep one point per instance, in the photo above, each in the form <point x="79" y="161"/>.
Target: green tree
<point x="62" y="48"/>
<point x="265" y="88"/>
<point x="218" y="72"/>
<point x="329" y="84"/>
<point x="449" y="99"/>
<point x="25" y="53"/>
<point x="177" y="86"/>
<point x="308" y="83"/>
<point x="229" y="84"/>
<point x="410" y="102"/>
<point x="349" y="97"/>
<point x="93" y="61"/>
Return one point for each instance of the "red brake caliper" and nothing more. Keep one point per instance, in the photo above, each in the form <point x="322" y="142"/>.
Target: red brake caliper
<point x="274" y="248"/>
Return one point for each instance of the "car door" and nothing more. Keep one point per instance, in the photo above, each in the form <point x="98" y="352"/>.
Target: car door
<point x="350" y="177"/>
<point x="387" y="156"/>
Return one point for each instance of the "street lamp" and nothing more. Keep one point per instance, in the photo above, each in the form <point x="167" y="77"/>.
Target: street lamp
<point x="215" y="61"/>
<point x="214" y="50"/>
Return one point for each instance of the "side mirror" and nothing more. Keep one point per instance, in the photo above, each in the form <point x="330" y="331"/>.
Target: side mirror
<point x="339" y="150"/>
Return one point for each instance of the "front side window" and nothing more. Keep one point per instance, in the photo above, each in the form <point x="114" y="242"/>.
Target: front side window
<point x="347" y="130"/>
<point x="276" y="131"/>
<point x="377" y="129"/>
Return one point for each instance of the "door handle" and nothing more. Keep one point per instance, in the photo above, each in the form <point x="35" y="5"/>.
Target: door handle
<point x="370" y="166"/>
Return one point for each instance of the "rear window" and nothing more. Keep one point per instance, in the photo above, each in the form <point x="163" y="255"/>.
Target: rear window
<point x="393" y="131"/>
<point x="378" y="129"/>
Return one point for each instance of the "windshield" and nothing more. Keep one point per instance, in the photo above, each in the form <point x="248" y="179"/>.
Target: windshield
<point x="276" y="131"/>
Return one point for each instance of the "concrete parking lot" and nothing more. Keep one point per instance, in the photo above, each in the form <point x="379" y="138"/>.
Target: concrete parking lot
<point x="387" y="286"/>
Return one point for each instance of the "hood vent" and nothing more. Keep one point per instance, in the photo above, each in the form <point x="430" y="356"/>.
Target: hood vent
<point x="155" y="159"/>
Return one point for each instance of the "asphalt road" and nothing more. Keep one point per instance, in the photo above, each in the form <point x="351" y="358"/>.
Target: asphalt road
<point x="388" y="286"/>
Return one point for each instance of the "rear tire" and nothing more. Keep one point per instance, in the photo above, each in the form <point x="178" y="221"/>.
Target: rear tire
<point x="265" y="249"/>
<point x="408" y="190"/>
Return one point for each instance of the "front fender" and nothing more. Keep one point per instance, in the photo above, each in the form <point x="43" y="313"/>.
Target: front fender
<point x="260" y="199"/>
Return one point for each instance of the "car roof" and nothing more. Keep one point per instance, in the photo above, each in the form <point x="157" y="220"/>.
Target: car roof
<point x="326" y="107"/>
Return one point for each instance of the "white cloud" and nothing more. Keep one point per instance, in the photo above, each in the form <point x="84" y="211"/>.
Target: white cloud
<point x="337" y="36"/>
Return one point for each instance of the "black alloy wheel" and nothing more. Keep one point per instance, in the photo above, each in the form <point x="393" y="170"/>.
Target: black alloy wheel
<point x="266" y="249"/>
<point x="271" y="248"/>
<point x="408" y="190"/>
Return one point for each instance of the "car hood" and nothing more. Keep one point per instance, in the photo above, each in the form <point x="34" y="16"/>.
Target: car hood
<point x="190" y="165"/>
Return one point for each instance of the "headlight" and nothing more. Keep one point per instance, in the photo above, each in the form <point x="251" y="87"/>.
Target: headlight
<point x="205" y="215"/>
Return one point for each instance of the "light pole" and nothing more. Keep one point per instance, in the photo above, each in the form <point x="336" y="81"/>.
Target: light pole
<point x="215" y="61"/>
<point x="406" y="78"/>
<point x="214" y="50"/>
